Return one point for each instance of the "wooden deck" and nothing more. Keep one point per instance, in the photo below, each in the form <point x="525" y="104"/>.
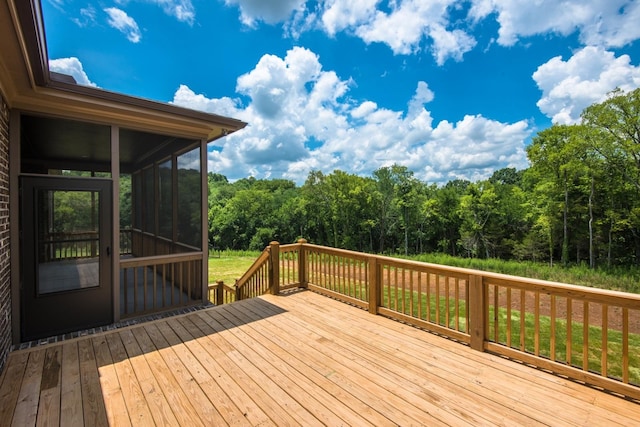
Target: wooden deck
<point x="296" y="359"/>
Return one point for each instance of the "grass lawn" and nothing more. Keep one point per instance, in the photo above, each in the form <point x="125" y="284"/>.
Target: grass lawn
<point x="230" y="265"/>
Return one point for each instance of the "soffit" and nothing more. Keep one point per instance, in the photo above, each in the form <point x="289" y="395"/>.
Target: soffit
<point x="55" y="143"/>
<point x="14" y="73"/>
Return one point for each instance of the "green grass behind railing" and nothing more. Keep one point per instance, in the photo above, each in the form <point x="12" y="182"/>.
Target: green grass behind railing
<point x="429" y="308"/>
<point x="230" y="265"/>
<point x="594" y="341"/>
<point x="625" y="279"/>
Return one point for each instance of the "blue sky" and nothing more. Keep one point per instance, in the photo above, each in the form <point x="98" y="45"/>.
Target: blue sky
<point x="450" y="89"/>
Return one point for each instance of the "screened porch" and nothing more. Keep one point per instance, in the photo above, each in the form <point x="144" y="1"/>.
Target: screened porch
<point x="153" y="209"/>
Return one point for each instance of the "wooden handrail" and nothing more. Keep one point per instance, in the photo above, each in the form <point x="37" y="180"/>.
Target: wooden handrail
<point x="257" y="264"/>
<point x="159" y="259"/>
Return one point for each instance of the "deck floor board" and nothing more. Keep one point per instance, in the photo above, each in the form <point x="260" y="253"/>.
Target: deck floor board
<point x="288" y="360"/>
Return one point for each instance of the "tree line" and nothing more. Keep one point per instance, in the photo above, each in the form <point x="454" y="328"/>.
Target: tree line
<point x="578" y="202"/>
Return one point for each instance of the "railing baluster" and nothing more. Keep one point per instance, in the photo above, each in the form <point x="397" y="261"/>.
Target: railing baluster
<point x="394" y="286"/>
<point x="375" y="285"/>
<point x="125" y="277"/>
<point x="401" y="295"/>
<point x="164" y="286"/>
<point x="536" y="344"/>
<point x="135" y="289"/>
<point x="428" y="315"/>
<point x="605" y="341"/>
<point x="411" y="294"/>
<point x="485" y="308"/>
<point x="522" y="320"/>
<point x="625" y="345"/>
<point x="437" y="299"/>
<point x="173" y="277"/>
<point x="419" y="284"/>
<point x="324" y="270"/>
<point x="155" y="283"/>
<point x="180" y="283"/>
<point x="585" y="336"/>
<point x="496" y="317"/>
<point x="190" y="282"/>
<point x="508" y="317"/>
<point x="352" y="280"/>
<point x="456" y="296"/>
<point x="552" y="344"/>
<point x="144" y="288"/>
<point x="569" y="330"/>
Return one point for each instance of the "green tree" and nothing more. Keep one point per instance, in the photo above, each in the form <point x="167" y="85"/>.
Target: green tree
<point x="477" y="207"/>
<point x="552" y="154"/>
<point x="398" y="203"/>
<point x="614" y="133"/>
<point x="315" y="205"/>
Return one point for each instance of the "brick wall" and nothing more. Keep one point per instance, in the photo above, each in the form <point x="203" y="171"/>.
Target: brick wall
<point x="5" y="266"/>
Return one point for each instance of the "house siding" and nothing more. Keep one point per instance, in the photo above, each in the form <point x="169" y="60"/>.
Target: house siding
<point x="5" y="258"/>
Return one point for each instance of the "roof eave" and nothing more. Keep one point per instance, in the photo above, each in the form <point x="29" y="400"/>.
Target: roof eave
<point x="227" y="123"/>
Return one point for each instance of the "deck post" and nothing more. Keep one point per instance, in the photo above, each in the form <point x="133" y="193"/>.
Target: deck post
<point x="302" y="264"/>
<point x="219" y="292"/>
<point x="478" y="313"/>
<point x="374" y="286"/>
<point x="274" y="268"/>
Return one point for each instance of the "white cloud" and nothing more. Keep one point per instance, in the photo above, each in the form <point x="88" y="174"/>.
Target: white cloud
<point x="182" y="10"/>
<point x="572" y="85"/>
<point x="72" y="67"/>
<point x="122" y="22"/>
<point x="339" y="15"/>
<point x="409" y="22"/>
<point x="444" y="27"/>
<point x="364" y="109"/>
<point x="475" y="146"/>
<point x="87" y="16"/>
<point x="608" y="23"/>
<point x="271" y="12"/>
<point x="223" y="106"/>
<point x="403" y="27"/>
<point x="449" y="44"/>
<point x="301" y="118"/>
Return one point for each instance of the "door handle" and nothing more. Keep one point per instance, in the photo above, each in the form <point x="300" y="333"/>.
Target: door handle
<point x="108" y="251"/>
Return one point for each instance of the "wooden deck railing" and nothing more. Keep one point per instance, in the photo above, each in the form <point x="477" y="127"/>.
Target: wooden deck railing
<point x="263" y="276"/>
<point x="221" y="293"/>
<point x="158" y="283"/>
<point x="83" y="244"/>
<point x="588" y="334"/>
<point x="60" y="246"/>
